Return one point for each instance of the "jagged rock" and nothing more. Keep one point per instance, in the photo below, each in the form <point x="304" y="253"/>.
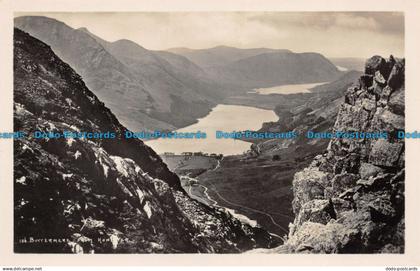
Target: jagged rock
<point x="364" y="178"/>
<point x="350" y="96"/>
<point x="351" y="163"/>
<point x="384" y="96"/>
<point x="374" y="183"/>
<point x="396" y="77"/>
<point x="342" y="182"/>
<point x="365" y="81"/>
<point x="308" y="184"/>
<point x="384" y="153"/>
<point x="382" y="210"/>
<point x="318" y="211"/>
<point x="377" y="63"/>
<point x="330" y="238"/>
<point x="368" y="170"/>
<point x="377" y="89"/>
<point x="349" y="193"/>
<point x="351" y="118"/>
<point x="369" y="104"/>
<point x="341" y="206"/>
<point x="379" y="78"/>
<point x="385" y="120"/>
<point x="396" y="102"/>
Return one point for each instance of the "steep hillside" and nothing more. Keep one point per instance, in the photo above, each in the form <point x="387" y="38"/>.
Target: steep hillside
<point x="142" y="88"/>
<point x="180" y="90"/>
<point x="103" y="195"/>
<point x="277" y="68"/>
<point x="351" y="199"/>
<point x="315" y="111"/>
<point x="260" y="67"/>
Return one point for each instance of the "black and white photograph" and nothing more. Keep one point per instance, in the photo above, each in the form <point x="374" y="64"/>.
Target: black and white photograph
<point x="209" y="132"/>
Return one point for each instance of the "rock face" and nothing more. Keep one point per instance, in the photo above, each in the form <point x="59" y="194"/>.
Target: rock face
<point x="98" y="195"/>
<point x="351" y="199"/>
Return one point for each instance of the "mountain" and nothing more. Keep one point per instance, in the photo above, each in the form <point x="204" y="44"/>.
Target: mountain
<point x="220" y="55"/>
<point x="261" y="67"/>
<point x="277" y="68"/>
<point x="100" y="194"/>
<point x="351" y="199"/>
<point x="145" y="89"/>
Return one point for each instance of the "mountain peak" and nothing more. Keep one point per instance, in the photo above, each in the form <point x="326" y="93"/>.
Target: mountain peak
<point x="83" y="29"/>
<point x="127" y="42"/>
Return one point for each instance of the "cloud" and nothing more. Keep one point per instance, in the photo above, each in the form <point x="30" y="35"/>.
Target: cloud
<point x="384" y="22"/>
<point x="352" y="34"/>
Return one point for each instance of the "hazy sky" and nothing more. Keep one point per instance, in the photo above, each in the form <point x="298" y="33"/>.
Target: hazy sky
<point x="350" y="34"/>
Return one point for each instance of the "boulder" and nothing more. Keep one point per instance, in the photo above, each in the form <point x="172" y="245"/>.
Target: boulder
<point x="308" y="184"/>
<point x="351" y="118"/>
<point x="397" y="102"/>
<point x="342" y="182"/>
<point x="377" y="63"/>
<point x="319" y="211"/>
<point x="368" y="170"/>
<point x="384" y="153"/>
<point x="384" y="96"/>
<point x="396" y="77"/>
<point x="319" y="238"/>
<point x="341" y="206"/>
<point x="382" y="181"/>
<point x="365" y="81"/>
<point x="382" y="210"/>
<point x="369" y="104"/>
<point x="385" y="120"/>
<point x="379" y="78"/>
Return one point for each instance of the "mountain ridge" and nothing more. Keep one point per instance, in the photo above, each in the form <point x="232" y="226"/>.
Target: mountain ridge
<point x="219" y="55"/>
<point x="165" y="104"/>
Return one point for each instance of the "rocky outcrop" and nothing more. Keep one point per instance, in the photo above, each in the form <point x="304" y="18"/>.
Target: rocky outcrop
<point x="351" y="199"/>
<point x="88" y="195"/>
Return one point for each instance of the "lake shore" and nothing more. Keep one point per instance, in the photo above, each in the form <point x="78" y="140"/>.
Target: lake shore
<point x="228" y="118"/>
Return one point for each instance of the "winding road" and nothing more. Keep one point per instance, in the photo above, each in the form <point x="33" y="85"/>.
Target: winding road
<point x="212" y="202"/>
<point x="249" y="209"/>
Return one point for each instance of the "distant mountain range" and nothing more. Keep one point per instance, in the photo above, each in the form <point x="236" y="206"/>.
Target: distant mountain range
<point x="261" y="67"/>
<point x="171" y="89"/>
<point x="277" y="68"/>
<point x="143" y="88"/>
<point x="221" y="55"/>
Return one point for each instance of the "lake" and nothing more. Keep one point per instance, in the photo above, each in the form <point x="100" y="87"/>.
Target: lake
<point x="227" y="118"/>
<point x="287" y="89"/>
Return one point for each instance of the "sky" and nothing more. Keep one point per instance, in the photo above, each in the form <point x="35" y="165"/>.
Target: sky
<point x="334" y="34"/>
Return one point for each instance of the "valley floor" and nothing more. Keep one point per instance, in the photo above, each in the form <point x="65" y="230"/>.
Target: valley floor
<point x="256" y="187"/>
